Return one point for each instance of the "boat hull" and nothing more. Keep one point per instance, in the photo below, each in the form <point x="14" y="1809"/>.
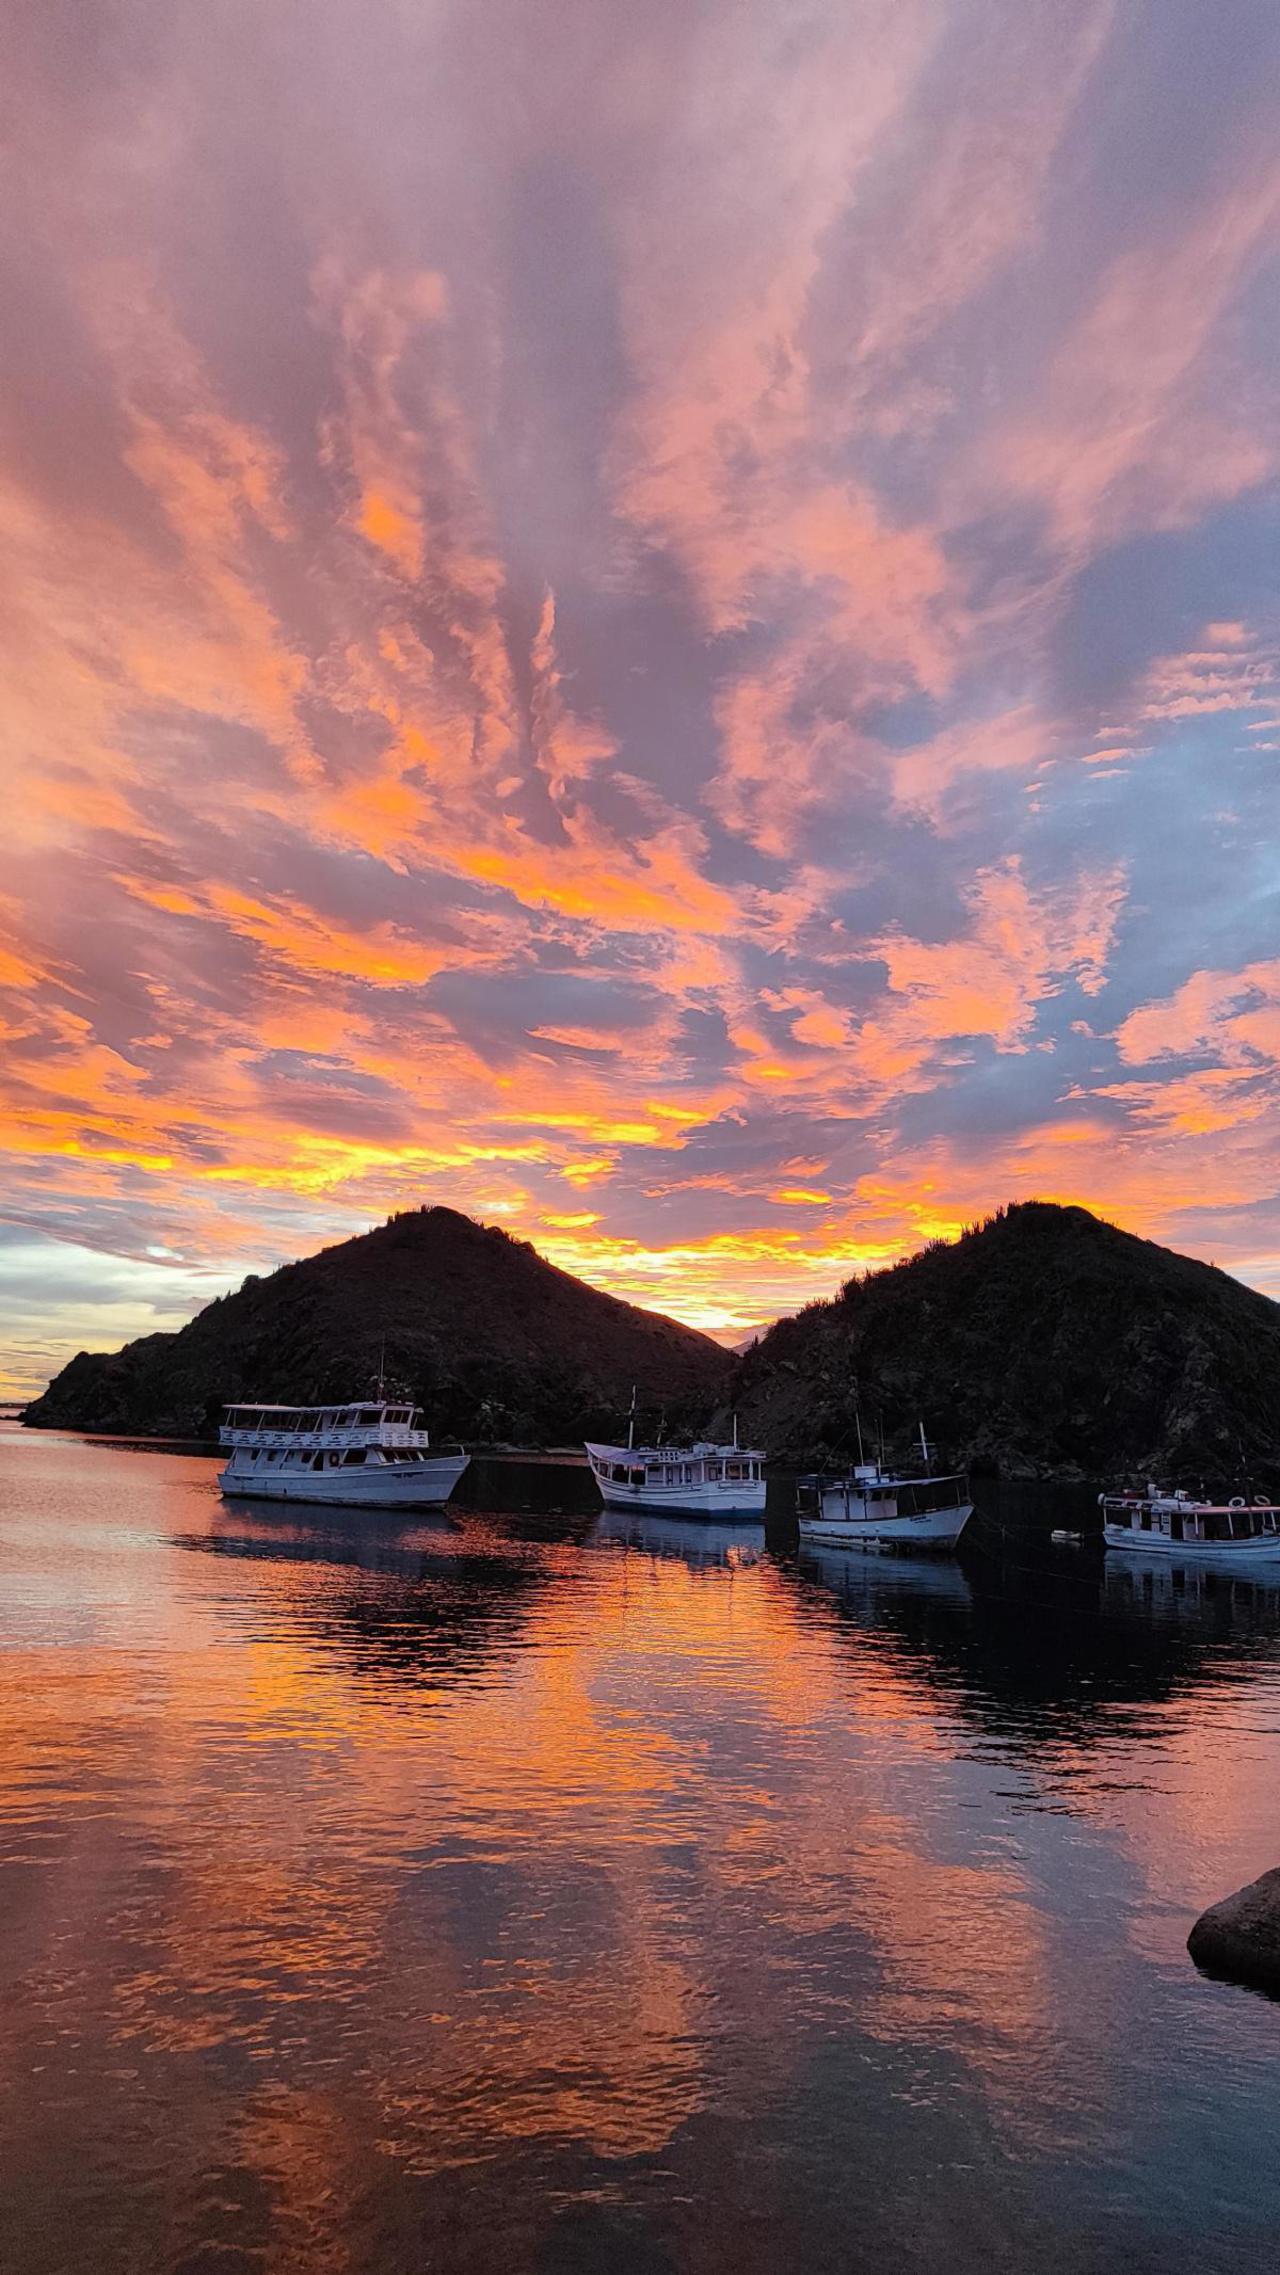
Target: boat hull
<point x="710" y="1500"/>
<point x="1237" y="1554"/>
<point x="414" y="1485"/>
<point x="933" y="1533"/>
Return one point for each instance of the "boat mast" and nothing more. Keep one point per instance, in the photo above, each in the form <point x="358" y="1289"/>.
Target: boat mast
<point x="631" y="1425"/>
<point x="924" y="1445"/>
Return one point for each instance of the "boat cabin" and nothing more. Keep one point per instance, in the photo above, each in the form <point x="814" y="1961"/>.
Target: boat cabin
<point x="297" y="1425"/>
<point x="694" y="1465"/>
<point x="867" y="1493"/>
<point x="635" y="1466"/>
<point x="374" y="1435"/>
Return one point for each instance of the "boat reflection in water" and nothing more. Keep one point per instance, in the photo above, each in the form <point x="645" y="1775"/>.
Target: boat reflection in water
<point x="863" y="1581"/>
<point x="526" y="1891"/>
<point x="1194" y="1594"/>
<point x="422" y="1601"/>
<point x="733" y="1542"/>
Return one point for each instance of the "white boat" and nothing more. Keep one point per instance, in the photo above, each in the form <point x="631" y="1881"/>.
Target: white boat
<point x="702" y="1480"/>
<point x="871" y="1509"/>
<point x="370" y="1456"/>
<point x="1238" y="1532"/>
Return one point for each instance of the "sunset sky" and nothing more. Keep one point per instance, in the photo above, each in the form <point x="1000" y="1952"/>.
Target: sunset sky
<point x="655" y="621"/>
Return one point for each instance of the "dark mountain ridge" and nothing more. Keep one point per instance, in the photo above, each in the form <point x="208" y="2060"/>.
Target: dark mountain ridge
<point x="491" y="1340"/>
<point x="1043" y="1343"/>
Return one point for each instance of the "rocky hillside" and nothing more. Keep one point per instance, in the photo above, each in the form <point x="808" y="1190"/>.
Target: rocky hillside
<point x="1042" y="1343"/>
<point x="480" y="1330"/>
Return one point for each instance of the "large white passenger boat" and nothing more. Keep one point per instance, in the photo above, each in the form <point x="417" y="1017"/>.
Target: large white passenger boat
<point x="698" y="1480"/>
<point x="871" y="1509"/>
<point x="371" y="1456"/>
<point x="1236" y="1532"/>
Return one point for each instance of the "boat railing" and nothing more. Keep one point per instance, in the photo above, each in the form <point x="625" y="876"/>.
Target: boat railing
<point x="386" y="1434"/>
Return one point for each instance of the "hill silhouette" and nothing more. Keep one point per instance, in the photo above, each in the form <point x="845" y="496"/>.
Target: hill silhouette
<point x="1043" y="1343"/>
<point x="491" y="1340"/>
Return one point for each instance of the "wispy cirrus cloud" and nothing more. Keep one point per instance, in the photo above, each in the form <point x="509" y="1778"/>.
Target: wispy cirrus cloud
<point x="661" y="627"/>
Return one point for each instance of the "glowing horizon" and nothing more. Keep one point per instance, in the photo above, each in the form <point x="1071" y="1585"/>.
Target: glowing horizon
<point x="661" y="629"/>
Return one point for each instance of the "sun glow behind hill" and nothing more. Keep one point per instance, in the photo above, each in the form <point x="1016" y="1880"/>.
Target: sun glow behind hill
<point x="613" y="625"/>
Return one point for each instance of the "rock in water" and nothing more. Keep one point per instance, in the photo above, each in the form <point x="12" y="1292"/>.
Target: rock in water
<point x="1240" y="1937"/>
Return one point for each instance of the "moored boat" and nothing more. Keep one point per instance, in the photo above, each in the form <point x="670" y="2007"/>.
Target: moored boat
<point x="1238" y="1532"/>
<point x="703" y="1479"/>
<point x="873" y="1509"/>
<point x="368" y="1456"/>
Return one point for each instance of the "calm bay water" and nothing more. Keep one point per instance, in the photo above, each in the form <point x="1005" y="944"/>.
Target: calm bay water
<point x="521" y="1890"/>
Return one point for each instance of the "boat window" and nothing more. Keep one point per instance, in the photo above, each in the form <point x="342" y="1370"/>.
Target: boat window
<point x="353" y="1454"/>
<point x="317" y="1461"/>
<point x="368" y="1417"/>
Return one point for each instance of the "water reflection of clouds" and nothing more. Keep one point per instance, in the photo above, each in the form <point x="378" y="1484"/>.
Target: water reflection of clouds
<point x="522" y="1870"/>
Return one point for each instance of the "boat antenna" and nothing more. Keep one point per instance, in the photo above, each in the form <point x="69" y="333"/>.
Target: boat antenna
<point x="735" y="1429"/>
<point x="924" y="1444"/>
<point x="382" y="1371"/>
<point x="857" y="1423"/>
<point x="631" y="1425"/>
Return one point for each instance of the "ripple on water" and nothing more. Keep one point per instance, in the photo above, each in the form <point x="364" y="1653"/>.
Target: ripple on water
<point x="519" y="1886"/>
